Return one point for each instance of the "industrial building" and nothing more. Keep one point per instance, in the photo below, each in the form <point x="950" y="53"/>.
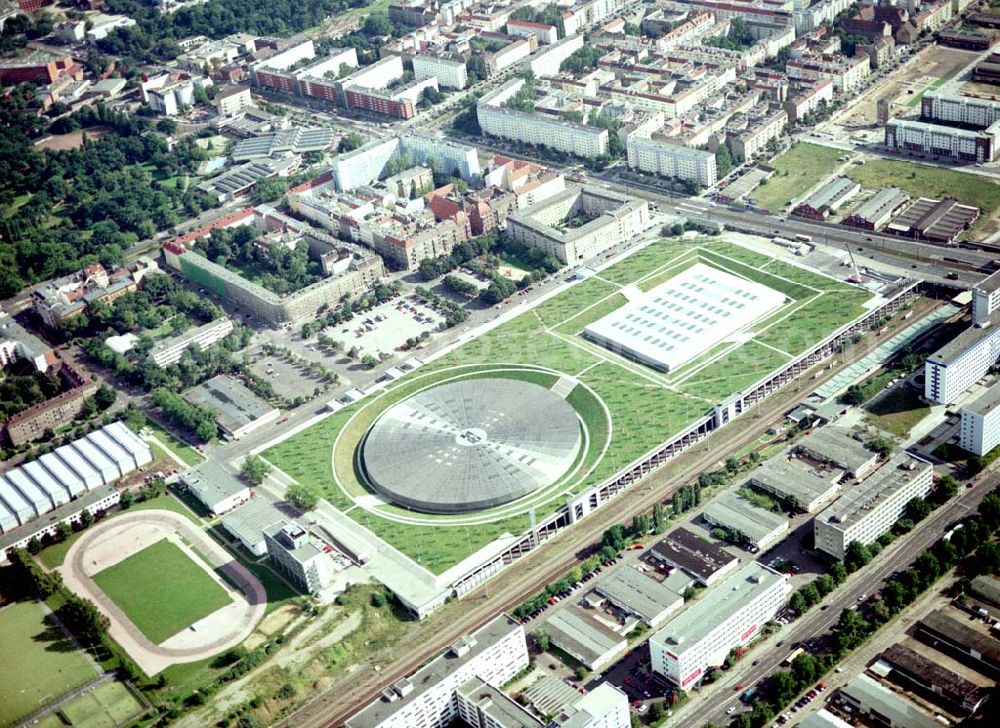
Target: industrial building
<point x="933" y="221"/>
<point x="728" y="616"/>
<point x="837" y="447"/>
<point x="755" y="526"/>
<point x="214" y="487"/>
<point x="876" y="212"/>
<point x="866" y="511"/>
<point x="585" y="638"/>
<point x="980" y="430"/>
<point x="693" y="555"/>
<point x="968" y="639"/>
<point x="929" y="677"/>
<point x="867" y="696"/>
<point x="237" y="409"/>
<point x="494" y="654"/>
<point x="169" y="351"/>
<point x="632" y="592"/>
<point x="30" y="491"/>
<point x="798" y="483"/>
<point x="611" y="219"/>
<point x="683" y="317"/>
<point x="295" y="141"/>
<point x="248" y="522"/>
<point x="828" y="199"/>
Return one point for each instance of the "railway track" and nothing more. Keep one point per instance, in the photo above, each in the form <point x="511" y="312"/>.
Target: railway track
<point x="334" y="705"/>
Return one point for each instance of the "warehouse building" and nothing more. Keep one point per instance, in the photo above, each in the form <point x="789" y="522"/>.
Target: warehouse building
<point x="726" y="617"/>
<point x="869" y="697"/>
<point x="237" y="409"/>
<point x="837" y="447"/>
<point x="933" y="221"/>
<point x="632" y="592"/>
<point x="877" y="211"/>
<point x="755" y="526"/>
<point x="986" y="589"/>
<point x="681" y="549"/>
<point x="585" y="638"/>
<point x="30" y="491"/>
<point x="871" y="508"/>
<point x="683" y="317"/>
<point x="494" y="654"/>
<point x="798" y="483"/>
<point x="966" y="638"/>
<point x="980" y="430"/>
<point x="247" y="523"/>
<point x="215" y="488"/>
<point x="942" y="684"/>
<point x="828" y="199"/>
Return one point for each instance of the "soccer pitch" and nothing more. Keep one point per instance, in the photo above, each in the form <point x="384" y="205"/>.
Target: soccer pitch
<point x="42" y="665"/>
<point x="161" y="590"/>
<point x="626" y="408"/>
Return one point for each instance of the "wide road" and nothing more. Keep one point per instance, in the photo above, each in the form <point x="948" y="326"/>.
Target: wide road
<point x="710" y="706"/>
<point x="529" y="575"/>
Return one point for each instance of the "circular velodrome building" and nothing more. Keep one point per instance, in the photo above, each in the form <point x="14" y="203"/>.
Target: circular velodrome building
<point x="468" y="445"/>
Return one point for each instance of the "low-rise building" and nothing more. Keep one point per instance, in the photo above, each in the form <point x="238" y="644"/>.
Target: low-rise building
<point x="877" y="211"/>
<point x="837" y="446"/>
<point x="723" y="618"/>
<point x="933" y="221"/>
<point x="297" y="557"/>
<point x="752" y="525"/>
<point x="610" y="219"/>
<point x="798" y="483"/>
<point x="828" y="199"/>
<point x="867" y="696"/>
<point x="237" y="409"/>
<point x="952" y="689"/>
<point x="969" y="639"/>
<point x="494" y="654"/>
<point x="585" y="638"/>
<point x="481" y="705"/>
<point x="215" y="488"/>
<point x="247" y="524"/>
<point x="870" y="509"/>
<point x="681" y="549"/>
<point x="632" y="592"/>
<point x="980" y="430"/>
<point x="169" y="351"/>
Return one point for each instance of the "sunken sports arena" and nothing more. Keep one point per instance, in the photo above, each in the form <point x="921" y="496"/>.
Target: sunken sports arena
<point x="470" y="445"/>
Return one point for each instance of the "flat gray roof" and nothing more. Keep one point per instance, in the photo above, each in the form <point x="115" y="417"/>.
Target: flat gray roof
<point x="832" y="193"/>
<point x="642" y="595"/>
<point x="857" y="502"/>
<point x="435" y="671"/>
<point x="717" y="605"/>
<point x="550" y="695"/>
<point x="987" y="587"/>
<point x="502" y="710"/>
<point x="738" y="514"/>
<point x="249" y="521"/>
<point x="985" y="403"/>
<point x="836" y="445"/>
<point x="963" y="635"/>
<point x="915" y="666"/>
<point x="211" y="483"/>
<point x="791" y="478"/>
<point x="884" y="202"/>
<point x="876" y="697"/>
<point x="234" y="405"/>
<point x="573" y="630"/>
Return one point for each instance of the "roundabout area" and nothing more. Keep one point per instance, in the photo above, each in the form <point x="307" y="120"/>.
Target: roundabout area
<point x="166" y="587"/>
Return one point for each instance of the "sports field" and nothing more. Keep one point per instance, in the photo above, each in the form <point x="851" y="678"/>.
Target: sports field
<point x="626" y="409"/>
<point x="41" y="665"/>
<point x="161" y="590"/>
<point x="110" y="705"/>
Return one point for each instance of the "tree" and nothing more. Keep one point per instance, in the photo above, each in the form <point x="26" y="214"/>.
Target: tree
<point x="126" y="499"/>
<point x="945" y="488"/>
<point x="166" y="126"/>
<point x="655" y="710"/>
<point x="104" y="397"/>
<point x="350" y="142"/>
<point x="303" y="496"/>
<point x="255" y="469"/>
<point x="881" y="445"/>
<point x="369" y="361"/>
<point x="856" y="556"/>
<point x="918" y="509"/>
<point x="541" y="639"/>
<point x="854" y="395"/>
<point x="732" y="465"/>
<point x="797" y="604"/>
<point x="838" y="573"/>
<point x="63" y="531"/>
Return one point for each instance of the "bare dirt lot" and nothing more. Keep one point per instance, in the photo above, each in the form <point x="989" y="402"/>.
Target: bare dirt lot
<point x="74" y="139"/>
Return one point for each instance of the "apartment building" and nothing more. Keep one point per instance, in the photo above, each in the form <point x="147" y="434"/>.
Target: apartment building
<point x="169" y="351"/>
<point x="669" y="158"/>
<point x="976" y="112"/>
<point x="17" y="343"/>
<point x="727" y="616"/>
<point x="919" y="137"/>
<point x="846" y="73"/>
<point x="366" y="164"/>
<point x="807" y="98"/>
<point x="233" y="99"/>
<point x="450" y="71"/>
<point x="866" y="511"/>
<point x="980" y="430"/>
<point x="48" y="416"/>
<point x="612" y="219"/>
<point x="63" y="298"/>
<point x="530" y="183"/>
<point x="494" y="654"/>
<point x="750" y="138"/>
<point x="170" y="93"/>
<point x="548" y="61"/>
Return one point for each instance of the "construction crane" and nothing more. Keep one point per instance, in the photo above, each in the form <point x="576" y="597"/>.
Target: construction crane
<point x="856" y="278"/>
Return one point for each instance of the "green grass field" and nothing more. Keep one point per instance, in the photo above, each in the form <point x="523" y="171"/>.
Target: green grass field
<point x="796" y="171"/>
<point x="161" y="590"/>
<point x="41" y="663"/>
<point x="646" y="407"/>
<point x="923" y="181"/>
<point x="111" y="705"/>
<point x="898" y="411"/>
<point x="185" y="452"/>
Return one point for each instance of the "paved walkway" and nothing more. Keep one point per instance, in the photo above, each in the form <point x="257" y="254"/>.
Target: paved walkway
<point x="110" y="542"/>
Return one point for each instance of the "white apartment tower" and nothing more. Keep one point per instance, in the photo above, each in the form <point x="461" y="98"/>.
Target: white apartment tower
<point x="980" y="431"/>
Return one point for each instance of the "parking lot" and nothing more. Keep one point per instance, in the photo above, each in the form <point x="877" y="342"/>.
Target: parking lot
<point x="386" y="327"/>
<point x="290" y="380"/>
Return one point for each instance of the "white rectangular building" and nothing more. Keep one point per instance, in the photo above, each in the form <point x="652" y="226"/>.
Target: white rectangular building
<point x="450" y="72"/>
<point x="729" y="615"/>
<point x="671" y="159"/>
<point x="866" y="511"/>
<point x="957" y="365"/>
<point x="980" y="431"/>
<point x="169" y="351"/>
<point x="680" y="319"/>
<point x="428" y="698"/>
<point x="548" y="61"/>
